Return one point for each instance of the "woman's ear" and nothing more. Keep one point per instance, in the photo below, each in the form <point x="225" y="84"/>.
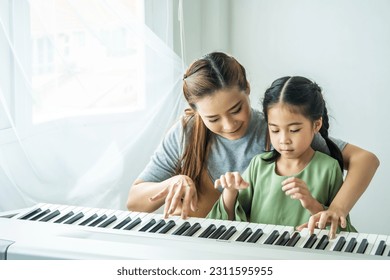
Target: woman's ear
<point x="317" y="125"/>
<point x="248" y="88"/>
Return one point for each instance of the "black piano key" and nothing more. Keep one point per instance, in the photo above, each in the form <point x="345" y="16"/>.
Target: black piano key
<point x="123" y="223"/>
<point x="74" y="218"/>
<point x="226" y="236"/>
<point x="362" y="247"/>
<point x="351" y="245"/>
<point x="381" y="248"/>
<point x="310" y="242"/>
<point x="294" y="239"/>
<point x="255" y="236"/>
<point x="40" y="215"/>
<point x="283" y="239"/>
<point x="180" y="230"/>
<point x="340" y="244"/>
<point x="324" y="241"/>
<point x="148" y="225"/>
<point x="133" y="224"/>
<point x="98" y="221"/>
<point x="216" y="234"/>
<point x="192" y="230"/>
<point x="271" y="239"/>
<point x="63" y="218"/>
<point x="90" y="219"/>
<point x="167" y="227"/>
<point x="50" y="216"/>
<point x="208" y="231"/>
<point x="108" y="222"/>
<point x="244" y="235"/>
<point x="159" y="225"/>
<point x="29" y="215"/>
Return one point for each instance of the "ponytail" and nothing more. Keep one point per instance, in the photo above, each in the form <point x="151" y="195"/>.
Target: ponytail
<point x="196" y="146"/>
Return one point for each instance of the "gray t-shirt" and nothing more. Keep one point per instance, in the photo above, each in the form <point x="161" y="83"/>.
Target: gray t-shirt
<point x="225" y="155"/>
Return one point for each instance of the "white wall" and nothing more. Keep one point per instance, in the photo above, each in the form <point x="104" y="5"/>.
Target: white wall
<point x="344" y="45"/>
<point x="341" y="44"/>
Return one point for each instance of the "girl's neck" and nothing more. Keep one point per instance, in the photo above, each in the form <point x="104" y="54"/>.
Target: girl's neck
<point x="290" y="166"/>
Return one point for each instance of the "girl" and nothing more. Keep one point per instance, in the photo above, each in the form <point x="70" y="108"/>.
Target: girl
<point x="292" y="182"/>
<point x="219" y="132"/>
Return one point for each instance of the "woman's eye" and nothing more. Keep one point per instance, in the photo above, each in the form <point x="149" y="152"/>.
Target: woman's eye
<point x="294" y="130"/>
<point x="274" y="131"/>
<point x="237" y="111"/>
<point x="213" y="121"/>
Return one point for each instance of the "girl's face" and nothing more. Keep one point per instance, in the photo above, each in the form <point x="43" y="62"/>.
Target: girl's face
<point x="226" y="112"/>
<point x="291" y="133"/>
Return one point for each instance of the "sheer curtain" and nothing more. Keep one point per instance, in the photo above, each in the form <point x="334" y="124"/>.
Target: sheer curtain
<point x="90" y="93"/>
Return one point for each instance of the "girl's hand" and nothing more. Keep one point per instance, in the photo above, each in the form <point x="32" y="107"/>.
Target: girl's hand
<point x="297" y="189"/>
<point x="231" y="182"/>
<point x="324" y="218"/>
<point x="180" y="191"/>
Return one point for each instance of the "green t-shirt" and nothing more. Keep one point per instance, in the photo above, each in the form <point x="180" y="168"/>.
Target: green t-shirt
<point x="264" y="201"/>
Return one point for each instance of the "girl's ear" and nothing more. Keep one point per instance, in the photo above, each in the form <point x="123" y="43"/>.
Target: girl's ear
<point x="317" y="125"/>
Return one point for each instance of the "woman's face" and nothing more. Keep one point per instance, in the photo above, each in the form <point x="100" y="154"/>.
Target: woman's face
<point x="226" y="112"/>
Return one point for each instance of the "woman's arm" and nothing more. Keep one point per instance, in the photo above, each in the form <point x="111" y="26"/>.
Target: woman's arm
<point x="140" y="194"/>
<point x="361" y="166"/>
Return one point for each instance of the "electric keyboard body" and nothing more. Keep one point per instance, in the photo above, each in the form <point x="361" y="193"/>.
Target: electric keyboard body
<point x="50" y="231"/>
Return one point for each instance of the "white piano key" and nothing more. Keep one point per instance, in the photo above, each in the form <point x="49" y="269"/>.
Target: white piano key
<point x="387" y="249"/>
<point x="378" y="240"/>
<point x="206" y="223"/>
<point x="305" y="235"/>
<point x="371" y="241"/>
<point x="240" y="226"/>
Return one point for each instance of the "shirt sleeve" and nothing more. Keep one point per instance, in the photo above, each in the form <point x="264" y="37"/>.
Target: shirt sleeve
<point x="163" y="162"/>
<point x="319" y="143"/>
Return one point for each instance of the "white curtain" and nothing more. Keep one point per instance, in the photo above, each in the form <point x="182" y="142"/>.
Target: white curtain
<point x="91" y="92"/>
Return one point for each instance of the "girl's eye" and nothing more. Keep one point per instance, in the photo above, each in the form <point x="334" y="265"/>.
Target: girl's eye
<point x="274" y="131"/>
<point x="213" y="121"/>
<point x="295" y="130"/>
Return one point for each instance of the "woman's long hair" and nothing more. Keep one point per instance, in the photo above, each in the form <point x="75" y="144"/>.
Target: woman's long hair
<point x="205" y="76"/>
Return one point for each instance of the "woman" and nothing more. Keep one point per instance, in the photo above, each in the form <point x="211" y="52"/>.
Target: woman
<point x="221" y="132"/>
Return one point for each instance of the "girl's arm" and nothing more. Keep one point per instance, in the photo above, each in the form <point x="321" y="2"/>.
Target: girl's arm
<point x="361" y="166"/>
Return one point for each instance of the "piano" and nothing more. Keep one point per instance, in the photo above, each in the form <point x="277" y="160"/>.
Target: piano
<point x="54" y="231"/>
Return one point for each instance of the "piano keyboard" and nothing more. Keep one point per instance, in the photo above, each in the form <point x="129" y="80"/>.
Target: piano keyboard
<point x="52" y="231"/>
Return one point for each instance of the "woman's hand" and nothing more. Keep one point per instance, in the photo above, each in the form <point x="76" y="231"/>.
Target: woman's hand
<point x="324" y="218"/>
<point x="180" y="191"/>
